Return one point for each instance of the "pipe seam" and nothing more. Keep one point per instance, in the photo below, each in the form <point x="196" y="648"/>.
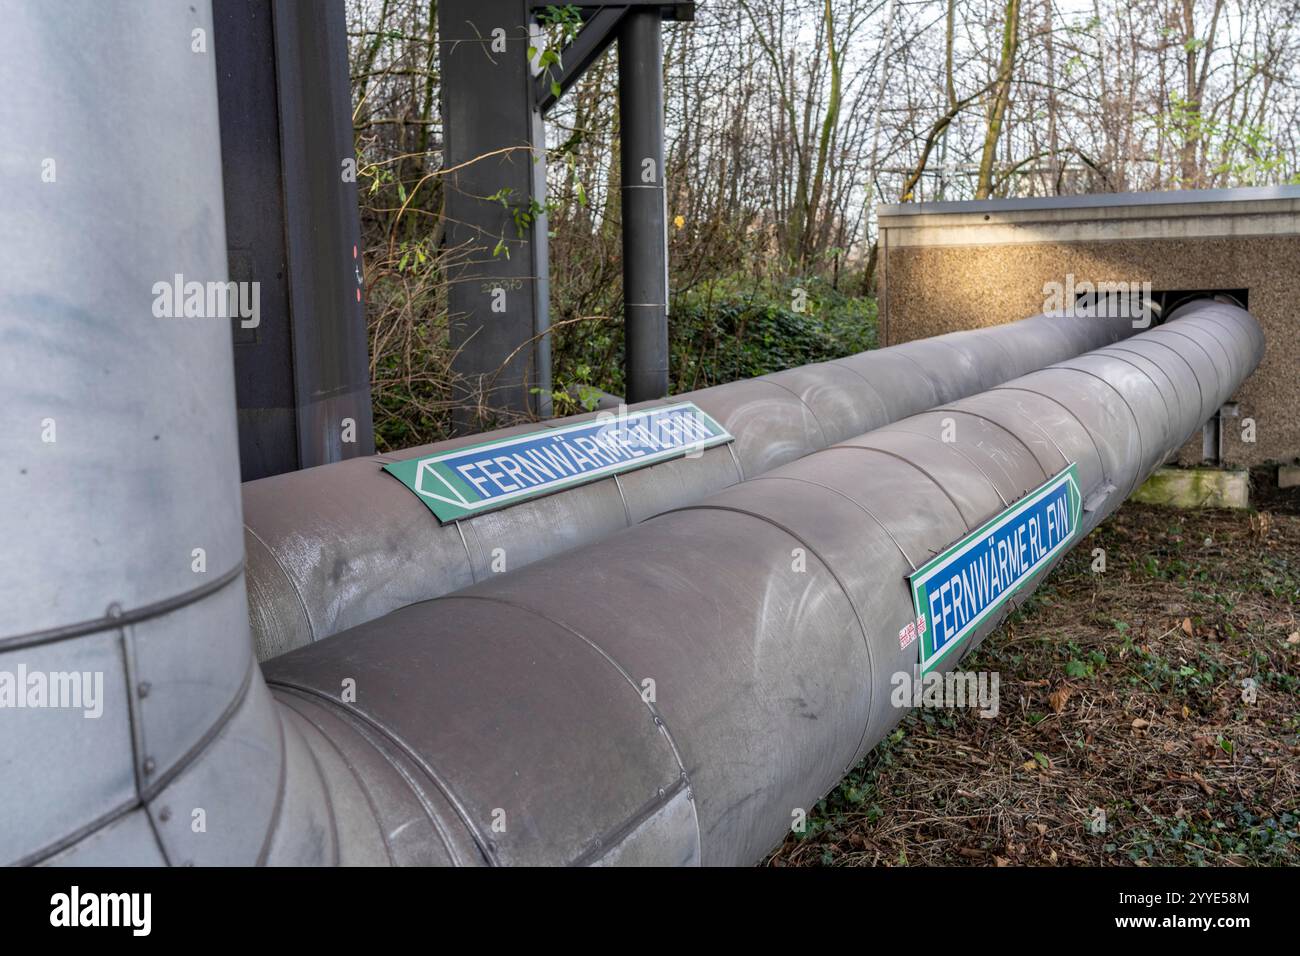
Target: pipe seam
<point x="1086" y="430"/>
<point x="485" y="845"/>
<point x="961" y="515"/>
<point x="1169" y="414"/>
<point x="111" y="622"/>
<point x="997" y="424"/>
<point x="1191" y="371"/>
<point x="658" y="719"/>
<point x="812" y="414"/>
<point x="969" y="460"/>
<point x="830" y="569"/>
<point x="365" y="731"/>
<point x="865" y="510"/>
<point x="1137" y="424"/>
<point x="292" y="703"/>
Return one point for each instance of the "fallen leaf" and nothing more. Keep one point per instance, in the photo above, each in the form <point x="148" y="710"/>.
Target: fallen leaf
<point x="1139" y="723"/>
<point x="1059" y="698"/>
<point x="1001" y="861"/>
<point x="1293" y="637"/>
<point x="1187" y="626"/>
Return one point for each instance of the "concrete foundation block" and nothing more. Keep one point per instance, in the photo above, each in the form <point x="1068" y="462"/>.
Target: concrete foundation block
<point x="1196" y="488"/>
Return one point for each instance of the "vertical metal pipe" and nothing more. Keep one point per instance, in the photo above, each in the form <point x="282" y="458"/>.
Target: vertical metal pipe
<point x="645" y="237"/>
<point x="138" y="489"/>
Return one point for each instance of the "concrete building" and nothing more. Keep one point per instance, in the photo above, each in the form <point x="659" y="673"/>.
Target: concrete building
<point x="959" y="265"/>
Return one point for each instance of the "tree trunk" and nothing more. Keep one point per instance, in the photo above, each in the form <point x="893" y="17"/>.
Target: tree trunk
<point x="1001" y="98"/>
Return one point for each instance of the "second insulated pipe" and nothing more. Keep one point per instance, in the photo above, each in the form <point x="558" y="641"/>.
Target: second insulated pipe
<point x="645" y="236"/>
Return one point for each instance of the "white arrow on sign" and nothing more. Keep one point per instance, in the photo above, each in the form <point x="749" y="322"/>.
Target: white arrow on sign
<point x="426" y="468"/>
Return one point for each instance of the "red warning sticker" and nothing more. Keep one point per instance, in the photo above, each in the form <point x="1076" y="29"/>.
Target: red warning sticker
<point x="908" y="635"/>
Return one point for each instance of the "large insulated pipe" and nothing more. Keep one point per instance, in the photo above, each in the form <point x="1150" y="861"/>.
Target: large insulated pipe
<point x="644" y="210"/>
<point x="675" y="692"/>
<point x="333" y="547"/>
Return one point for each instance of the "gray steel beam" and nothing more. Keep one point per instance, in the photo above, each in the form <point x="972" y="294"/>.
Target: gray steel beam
<point x="495" y="197"/>
<point x="265" y="390"/>
<point x="302" y="373"/>
<point x="600" y="28"/>
<point x="645" y="233"/>
<point x="598" y="32"/>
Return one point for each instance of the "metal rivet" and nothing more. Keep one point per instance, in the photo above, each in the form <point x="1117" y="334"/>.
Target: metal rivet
<point x="165" y="814"/>
<point x="149" y="765"/>
<point x="144" y="688"/>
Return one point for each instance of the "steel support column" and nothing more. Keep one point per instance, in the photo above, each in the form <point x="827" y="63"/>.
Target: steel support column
<point x="495" y="199"/>
<point x="645" y="237"/>
<point x="301" y="367"/>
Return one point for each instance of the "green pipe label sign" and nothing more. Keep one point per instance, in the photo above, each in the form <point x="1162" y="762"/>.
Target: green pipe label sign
<point x="958" y="590"/>
<point x="468" y="481"/>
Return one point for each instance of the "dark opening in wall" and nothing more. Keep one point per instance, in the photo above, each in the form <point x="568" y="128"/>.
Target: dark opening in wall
<point x="1123" y="298"/>
<point x="1170" y="299"/>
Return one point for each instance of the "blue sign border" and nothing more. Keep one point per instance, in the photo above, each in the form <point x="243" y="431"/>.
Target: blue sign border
<point x="920" y="579"/>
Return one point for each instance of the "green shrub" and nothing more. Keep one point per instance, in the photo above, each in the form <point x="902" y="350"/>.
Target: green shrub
<point x="724" y="330"/>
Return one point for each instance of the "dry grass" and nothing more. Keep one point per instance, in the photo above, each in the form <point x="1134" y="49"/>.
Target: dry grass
<point x="1120" y="691"/>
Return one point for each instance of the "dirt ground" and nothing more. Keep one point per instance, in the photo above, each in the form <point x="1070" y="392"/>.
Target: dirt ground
<point x="1150" y="715"/>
